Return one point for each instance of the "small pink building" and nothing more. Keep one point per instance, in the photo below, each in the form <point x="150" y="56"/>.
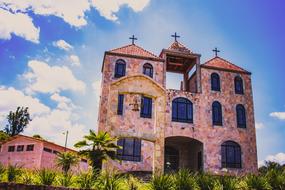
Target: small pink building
<point x="34" y="153"/>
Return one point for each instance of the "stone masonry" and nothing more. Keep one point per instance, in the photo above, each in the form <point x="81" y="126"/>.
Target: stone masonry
<point x="159" y="130"/>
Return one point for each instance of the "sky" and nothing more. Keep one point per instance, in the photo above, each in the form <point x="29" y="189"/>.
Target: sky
<point x="51" y="54"/>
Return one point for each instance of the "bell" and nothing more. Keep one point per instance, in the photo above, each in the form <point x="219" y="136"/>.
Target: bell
<point x="135" y="105"/>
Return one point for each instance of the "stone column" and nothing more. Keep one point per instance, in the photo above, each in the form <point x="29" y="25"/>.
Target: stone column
<point x="198" y="72"/>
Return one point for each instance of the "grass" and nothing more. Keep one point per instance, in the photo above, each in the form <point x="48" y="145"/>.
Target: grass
<point x="270" y="177"/>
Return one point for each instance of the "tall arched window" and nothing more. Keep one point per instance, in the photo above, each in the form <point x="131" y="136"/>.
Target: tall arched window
<point x="241" y="116"/>
<point x="120" y="68"/>
<point x="215" y="82"/>
<point x="182" y="110"/>
<point x="238" y="85"/>
<point x="217" y="115"/>
<point x="148" y="70"/>
<point x="231" y="155"/>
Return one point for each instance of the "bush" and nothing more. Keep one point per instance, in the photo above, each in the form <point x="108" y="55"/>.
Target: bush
<point x="46" y="176"/>
<point x="185" y="181"/>
<point x="27" y="177"/>
<point x="162" y="182"/>
<point x="257" y="182"/>
<point x="110" y="181"/>
<point x="85" y="180"/>
<point x="208" y="182"/>
<point x="2" y="172"/>
<point x="276" y="179"/>
<point x="13" y="172"/>
<point x="65" y="180"/>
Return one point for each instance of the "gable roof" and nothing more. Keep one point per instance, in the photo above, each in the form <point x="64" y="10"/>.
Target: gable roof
<point x="222" y="64"/>
<point x="134" y="51"/>
<point x="177" y="46"/>
<point x="36" y="139"/>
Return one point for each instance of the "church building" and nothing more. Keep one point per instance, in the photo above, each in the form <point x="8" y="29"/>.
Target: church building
<point x="206" y="125"/>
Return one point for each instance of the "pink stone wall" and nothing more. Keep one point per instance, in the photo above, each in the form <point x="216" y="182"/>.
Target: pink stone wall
<point x="35" y="159"/>
<point x="27" y="159"/>
<point x="160" y="126"/>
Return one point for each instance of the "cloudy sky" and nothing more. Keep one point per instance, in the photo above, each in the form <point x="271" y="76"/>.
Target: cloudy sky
<point x="51" y="53"/>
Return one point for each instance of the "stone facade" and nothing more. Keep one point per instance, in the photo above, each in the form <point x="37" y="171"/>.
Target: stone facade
<point x="190" y="139"/>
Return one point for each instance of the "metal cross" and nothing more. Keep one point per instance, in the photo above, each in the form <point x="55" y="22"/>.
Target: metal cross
<point x="216" y="51"/>
<point x="175" y="36"/>
<point x="133" y="38"/>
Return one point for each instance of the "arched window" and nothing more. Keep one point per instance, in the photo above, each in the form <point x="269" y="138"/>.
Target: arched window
<point x="238" y="85"/>
<point x="217" y="115"/>
<point x="182" y="110"/>
<point x="241" y="116"/>
<point x="231" y="155"/>
<point x="120" y="68"/>
<point x="215" y="82"/>
<point x="148" y="70"/>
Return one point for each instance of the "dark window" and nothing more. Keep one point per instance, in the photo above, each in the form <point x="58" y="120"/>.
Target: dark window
<point x="217" y="115"/>
<point x="241" y="116"/>
<point x="182" y="110"/>
<point x="120" y="104"/>
<point x="215" y="82"/>
<point x="47" y="150"/>
<point x="146" y="107"/>
<point x="11" y="148"/>
<point x="131" y="149"/>
<point x="120" y="68"/>
<point x="20" y="148"/>
<point x="238" y="85"/>
<point x="231" y="155"/>
<point x="84" y="160"/>
<point x="55" y="152"/>
<point x="30" y="147"/>
<point x="148" y="70"/>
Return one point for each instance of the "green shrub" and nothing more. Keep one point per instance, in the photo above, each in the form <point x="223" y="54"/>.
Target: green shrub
<point x="257" y="183"/>
<point x="46" y="176"/>
<point x="110" y="181"/>
<point x="276" y="179"/>
<point x="133" y="183"/>
<point x="232" y="183"/>
<point x="85" y="180"/>
<point x="27" y="177"/>
<point x="183" y="180"/>
<point x="207" y="181"/>
<point x="65" y="180"/>
<point x="162" y="182"/>
<point x="2" y="172"/>
<point x="13" y="172"/>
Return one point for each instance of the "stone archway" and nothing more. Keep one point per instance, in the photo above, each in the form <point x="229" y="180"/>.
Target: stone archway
<point x="183" y="152"/>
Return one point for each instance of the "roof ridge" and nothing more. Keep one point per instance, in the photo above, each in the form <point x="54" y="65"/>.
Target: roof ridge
<point x="228" y="62"/>
<point x="134" y="45"/>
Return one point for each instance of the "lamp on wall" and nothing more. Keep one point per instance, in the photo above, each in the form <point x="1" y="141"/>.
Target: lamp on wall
<point x="135" y="104"/>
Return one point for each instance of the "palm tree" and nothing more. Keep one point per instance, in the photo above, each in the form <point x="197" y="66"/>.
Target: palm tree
<point x="99" y="148"/>
<point x="66" y="160"/>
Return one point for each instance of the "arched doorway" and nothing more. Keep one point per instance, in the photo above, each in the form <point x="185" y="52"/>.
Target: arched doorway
<point x="183" y="152"/>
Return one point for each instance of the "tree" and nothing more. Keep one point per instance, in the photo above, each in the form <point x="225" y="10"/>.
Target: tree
<point x="99" y="148"/>
<point x="3" y="136"/>
<point x="66" y="160"/>
<point x="17" y="121"/>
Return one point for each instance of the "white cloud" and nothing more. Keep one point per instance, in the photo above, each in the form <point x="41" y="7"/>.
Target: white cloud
<point x="63" y="45"/>
<point x="18" y="24"/>
<point x="14" y="16"/>
<point x="278" y="115"/>
<point x="63" y="103"/>
<point x="110" y="7"/>
<point x="71" y="11"/>
<point x="96" y="85"/>
<point x="12" y="98"/>
<point x="74" y="60"/>
<point x="50" y="79"/>
<point x="279" y="158"/>
<point x="259" y="125"/>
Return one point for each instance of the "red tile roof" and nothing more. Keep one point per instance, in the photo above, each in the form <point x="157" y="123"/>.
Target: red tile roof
<point x="220" y="63"/>
<point x="177" y="46"/>
<point x="134" y="50"/>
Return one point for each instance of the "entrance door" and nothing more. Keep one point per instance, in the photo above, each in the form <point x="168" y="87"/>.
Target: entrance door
<point x="171" y="159"/>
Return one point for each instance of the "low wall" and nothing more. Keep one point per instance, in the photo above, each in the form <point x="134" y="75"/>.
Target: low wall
<point x="15" y="186"/>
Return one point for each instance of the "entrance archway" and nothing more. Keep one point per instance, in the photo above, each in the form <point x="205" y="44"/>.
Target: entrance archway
<point x="183" y="152"/>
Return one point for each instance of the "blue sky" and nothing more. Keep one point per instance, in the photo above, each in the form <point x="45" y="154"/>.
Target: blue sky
<point x="51" y="55"/>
